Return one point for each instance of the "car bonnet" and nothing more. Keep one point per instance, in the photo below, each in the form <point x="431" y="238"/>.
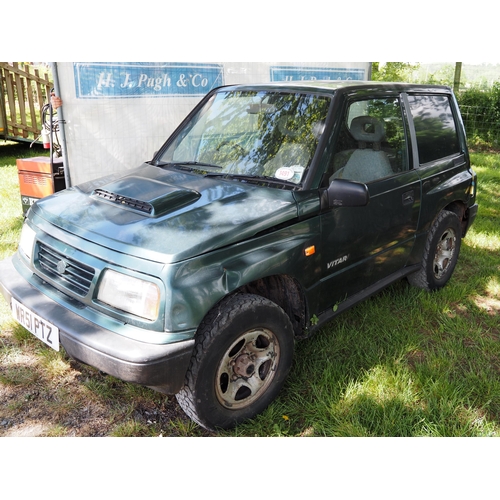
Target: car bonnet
<point x="166" y="215"/>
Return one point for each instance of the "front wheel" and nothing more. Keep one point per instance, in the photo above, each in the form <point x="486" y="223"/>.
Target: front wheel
<point x="440" y="253"/>
<point x="242" y="355"/>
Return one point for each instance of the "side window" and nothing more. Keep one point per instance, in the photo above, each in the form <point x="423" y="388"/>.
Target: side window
<point x="435" y="127"/>
<point x="371" y="144"/>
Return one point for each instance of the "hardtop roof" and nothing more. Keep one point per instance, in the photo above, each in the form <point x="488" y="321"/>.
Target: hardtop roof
<point x="330" y="86"/>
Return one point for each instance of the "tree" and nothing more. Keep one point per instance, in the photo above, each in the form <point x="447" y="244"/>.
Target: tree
<point x="445" y="75"/>
<point x="394" y="71"/>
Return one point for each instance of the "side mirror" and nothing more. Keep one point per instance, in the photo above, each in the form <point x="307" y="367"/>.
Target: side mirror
<point x="343" y="193"/>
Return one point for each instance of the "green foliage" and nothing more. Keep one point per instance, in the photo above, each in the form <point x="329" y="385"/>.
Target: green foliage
<point x="476" y="96"/>
<point x="393" y="71"/>
<point x="481" y="114"/>
<point x="445" y="75"/>
<point x="479" y="76"/>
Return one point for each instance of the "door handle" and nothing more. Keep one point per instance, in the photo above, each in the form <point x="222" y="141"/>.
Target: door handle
<point x="408" y="198"/>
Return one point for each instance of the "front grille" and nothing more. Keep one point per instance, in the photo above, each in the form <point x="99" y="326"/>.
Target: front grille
<point x="68" y="272"/>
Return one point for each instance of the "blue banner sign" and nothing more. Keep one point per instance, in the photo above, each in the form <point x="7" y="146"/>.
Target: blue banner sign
<point x="123" y="80"/>
<point x="297" y="73"/>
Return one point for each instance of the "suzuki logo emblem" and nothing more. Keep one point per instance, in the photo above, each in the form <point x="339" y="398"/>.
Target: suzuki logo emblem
<point x="61" y="266"/>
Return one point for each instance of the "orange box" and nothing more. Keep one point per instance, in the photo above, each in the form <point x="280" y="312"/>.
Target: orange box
<point x="38" y="178"/>
<point x="36" y="184"/>
<point x="38" y="164"/>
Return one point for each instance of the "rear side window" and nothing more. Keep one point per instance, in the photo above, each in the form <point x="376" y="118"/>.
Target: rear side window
<point x="435" y="127"/>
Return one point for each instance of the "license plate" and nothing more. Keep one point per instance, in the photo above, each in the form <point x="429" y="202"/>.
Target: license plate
<point x="38" y="326"/>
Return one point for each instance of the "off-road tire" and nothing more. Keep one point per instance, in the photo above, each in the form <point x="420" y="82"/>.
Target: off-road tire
<point x="242" y="356"/>
<point x="440" y="254"/>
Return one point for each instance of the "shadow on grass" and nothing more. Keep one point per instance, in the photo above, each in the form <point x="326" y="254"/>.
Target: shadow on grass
<point x="435" y="374"/>
<point x="404" y="363"/>
<point x="10" y="151"/>
<point x="407" y="362"/>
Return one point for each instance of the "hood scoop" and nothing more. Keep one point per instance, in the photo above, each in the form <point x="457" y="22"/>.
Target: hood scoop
<point x="147" y="196"/>
<point x="141" y="206"/>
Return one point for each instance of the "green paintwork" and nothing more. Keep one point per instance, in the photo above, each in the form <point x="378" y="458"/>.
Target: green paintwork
<point x="200" y="237"/>
<point x="193" y="216"/>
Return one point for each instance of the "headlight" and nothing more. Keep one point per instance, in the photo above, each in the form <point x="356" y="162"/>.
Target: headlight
<point x="27" y="241"/>
<point x="132" y="295"/>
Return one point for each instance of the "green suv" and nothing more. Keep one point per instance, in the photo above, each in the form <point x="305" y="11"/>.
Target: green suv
<point x="271" y="209"/>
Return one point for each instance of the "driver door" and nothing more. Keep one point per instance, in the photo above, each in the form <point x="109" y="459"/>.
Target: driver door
<point x="363" y="245"/>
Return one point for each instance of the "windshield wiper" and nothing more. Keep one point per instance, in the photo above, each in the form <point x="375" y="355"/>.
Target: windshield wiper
<point x="253" y="178"/>
<point x="181" y="164"/>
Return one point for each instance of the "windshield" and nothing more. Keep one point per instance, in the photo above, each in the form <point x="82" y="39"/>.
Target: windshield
<point x="264" y="134"/>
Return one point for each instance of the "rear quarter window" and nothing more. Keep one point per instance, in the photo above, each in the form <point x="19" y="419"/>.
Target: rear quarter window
<point x="435" y="127"/>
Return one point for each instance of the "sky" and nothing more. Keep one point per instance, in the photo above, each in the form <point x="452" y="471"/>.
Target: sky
<point x="257" y="31"/>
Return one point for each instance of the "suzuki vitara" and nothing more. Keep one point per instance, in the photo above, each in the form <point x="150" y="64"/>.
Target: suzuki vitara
<point x="270" y="210"/>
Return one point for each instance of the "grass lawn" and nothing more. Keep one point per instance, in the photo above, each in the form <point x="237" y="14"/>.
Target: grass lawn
<point x="404" y="363"/>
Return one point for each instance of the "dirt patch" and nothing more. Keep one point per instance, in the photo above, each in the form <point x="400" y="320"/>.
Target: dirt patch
<point x="77" y="400"/>
<point x="30" y="413"/>
<point x="489" y="304"/>
<point x="33" y="429"/>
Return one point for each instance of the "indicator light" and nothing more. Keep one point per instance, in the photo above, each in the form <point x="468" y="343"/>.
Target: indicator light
<point x="310" y="251"/>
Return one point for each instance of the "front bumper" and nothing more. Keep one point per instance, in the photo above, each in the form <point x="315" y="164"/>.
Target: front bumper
<point x="161" y="367"/>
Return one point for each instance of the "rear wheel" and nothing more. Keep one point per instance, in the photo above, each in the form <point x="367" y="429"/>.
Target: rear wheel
<point x="242" y="355"/>
<point x="440" y="253"/>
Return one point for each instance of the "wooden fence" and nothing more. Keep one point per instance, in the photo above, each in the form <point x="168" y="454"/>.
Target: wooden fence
<point x="23" y="92"/>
